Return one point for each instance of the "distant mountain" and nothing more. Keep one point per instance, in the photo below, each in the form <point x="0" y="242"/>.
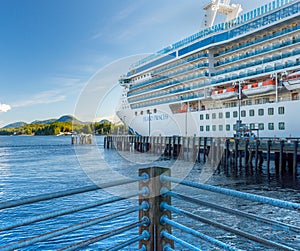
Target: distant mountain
<point x="43" y="122"/>
<point x="69" y="118"/>
<point x="15" y="125"/>
<point x="65" y="118"/>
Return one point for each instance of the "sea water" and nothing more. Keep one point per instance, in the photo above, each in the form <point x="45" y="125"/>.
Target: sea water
<point x="38" y="165"/>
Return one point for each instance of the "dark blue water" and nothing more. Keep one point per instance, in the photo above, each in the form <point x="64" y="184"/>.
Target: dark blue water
<point x="37" y="165"/>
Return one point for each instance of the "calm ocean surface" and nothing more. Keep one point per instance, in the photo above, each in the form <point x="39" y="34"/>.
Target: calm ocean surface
<point x="36" y="165"/>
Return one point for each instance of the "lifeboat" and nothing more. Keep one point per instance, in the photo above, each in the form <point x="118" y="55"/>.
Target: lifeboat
<point x="292" y="81"/>
<point x="229" y="92"/>
<point x="260" y="87"/>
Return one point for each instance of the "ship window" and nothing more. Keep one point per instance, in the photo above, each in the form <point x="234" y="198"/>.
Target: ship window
<point x="207" y="116"/>
<point x="281" y="110"/>
<point x="227" y="115"/>
<point x="155" y="110"/>
<point x="281" y="126"/>
<point x="220" y="127"/>
<point x="207" y="128"/>
<point x="235" y="114"/>
<point x="227" y="127"/>
<point x="248" y="102"/>
<point x="220" y="115"/>
<point x="234" y="127"/>
<point x="257" y="101"/>
<point x="271" y="126"/>
<point x="252" y="126"/>
<point x="214" y="128"/>
<point x="142" y="112"/>
<point x="251" y="113"/>
<point x="261" y="112"/>
<point x="271" y="111"/>
<point x="261" y="126"/>
<point x="243" y="113"/>
<point x="201" y="128"/>
<point x="135" y="113"/>
<point x="213" y="116"/>
<point x="201" y="117"/>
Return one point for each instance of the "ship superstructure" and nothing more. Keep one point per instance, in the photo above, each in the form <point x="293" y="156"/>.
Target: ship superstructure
<point x="243" y="72"/>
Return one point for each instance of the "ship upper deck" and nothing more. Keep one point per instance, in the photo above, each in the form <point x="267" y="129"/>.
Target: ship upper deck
<point x="256" y="19"/>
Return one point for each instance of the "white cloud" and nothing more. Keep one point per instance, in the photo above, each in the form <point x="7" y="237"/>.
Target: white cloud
<point x="4" y="107"/>
<point x="66" y="86"/>
<point x="46" y="97"/>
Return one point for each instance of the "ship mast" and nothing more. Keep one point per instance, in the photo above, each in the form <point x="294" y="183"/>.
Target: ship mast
<point x="231" y="11"/>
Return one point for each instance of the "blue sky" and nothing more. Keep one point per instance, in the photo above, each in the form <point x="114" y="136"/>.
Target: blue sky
<point x="50" y="49"/>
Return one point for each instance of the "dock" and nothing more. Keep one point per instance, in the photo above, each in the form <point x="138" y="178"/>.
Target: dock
<point x="82" y="139"/>
<point x="225" y="151"/>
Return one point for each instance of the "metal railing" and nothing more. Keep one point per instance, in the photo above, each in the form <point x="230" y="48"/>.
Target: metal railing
<point x="61" y="232"/>
<point x="158" y="225"/>
<point x="167" y="209"/>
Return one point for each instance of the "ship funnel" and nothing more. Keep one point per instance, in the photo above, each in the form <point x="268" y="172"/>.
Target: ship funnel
<point x="231" y="11"/>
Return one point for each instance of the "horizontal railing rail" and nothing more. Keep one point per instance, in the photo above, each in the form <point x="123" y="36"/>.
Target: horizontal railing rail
<point x="61" y="232"/>
<point x="282" y="225"/>
<point x="234" y="193"/>
<point x="161" y="224"/>
<point x="55" y="195"/>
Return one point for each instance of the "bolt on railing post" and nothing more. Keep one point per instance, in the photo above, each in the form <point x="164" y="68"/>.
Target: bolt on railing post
<point x="154" y="198"/>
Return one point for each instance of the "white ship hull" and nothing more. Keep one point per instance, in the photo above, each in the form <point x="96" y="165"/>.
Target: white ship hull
<point x="167" y="124"/>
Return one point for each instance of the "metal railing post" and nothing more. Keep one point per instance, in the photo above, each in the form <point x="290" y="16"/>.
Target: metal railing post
<point x="154" y="213"/>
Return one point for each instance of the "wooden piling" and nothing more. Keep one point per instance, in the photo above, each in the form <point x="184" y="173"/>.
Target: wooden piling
<point x="204" y="149"/>
<point x="236" y="152"/>
<point x="281" y="158"/>
<point x="246" y="157"/>
<point x="268" y="155"/>
<point x="295" y="157"/>
<point x="256" y="153"/>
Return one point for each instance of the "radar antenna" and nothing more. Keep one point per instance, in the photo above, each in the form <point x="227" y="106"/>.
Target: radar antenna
<point x="231" y="11"/>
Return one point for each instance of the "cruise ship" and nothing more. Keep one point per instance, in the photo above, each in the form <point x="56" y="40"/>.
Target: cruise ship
<point x="240" y="77"/>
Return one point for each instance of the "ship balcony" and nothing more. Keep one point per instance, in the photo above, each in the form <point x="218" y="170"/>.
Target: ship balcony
<point x="190" y="97"/>
<point x="261" y="40"/>
<point x="256" y="72"/>
<point x="181" y="63"/>
<point x="223" y="80"/>
<point x="180" y="90"/>
<point x="272" y="49"/>
<point x="259" y="62"/>
<point x="170" y="83"/>
<point x="177" y="73"/>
